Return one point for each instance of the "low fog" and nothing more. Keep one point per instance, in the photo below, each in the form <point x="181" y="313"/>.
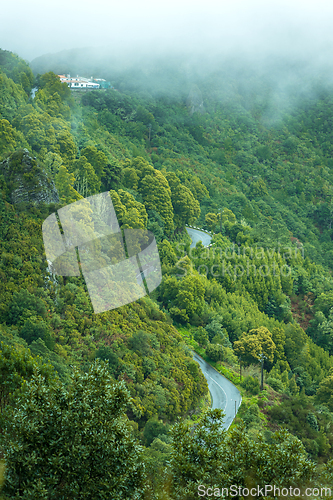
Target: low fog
<point x="154" y="47"/>
<point x="273" y="29"/>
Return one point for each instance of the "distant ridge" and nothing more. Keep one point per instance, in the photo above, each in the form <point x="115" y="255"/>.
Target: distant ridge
<point x="68" y="61"/>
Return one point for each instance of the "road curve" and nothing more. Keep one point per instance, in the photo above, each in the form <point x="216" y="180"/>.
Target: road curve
<point x="223" y="392"/>
<point x="197" y="235"/>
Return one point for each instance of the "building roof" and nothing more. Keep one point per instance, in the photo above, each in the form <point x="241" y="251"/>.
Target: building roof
<point x="80" y="81"/>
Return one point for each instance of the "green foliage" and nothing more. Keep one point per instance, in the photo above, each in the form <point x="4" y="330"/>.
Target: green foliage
<point x="312" y="421"/>
<point x="105" y="353"/>
<point x="51" y="83"/>
<point x="65" y="185"/>
<point x="263" y="185"/>
<point x="201" y="336"/>
<point x="227" y="372"/>
<point x="34" y="329"/>
<point x="167" y="254"/>
<point x="216" y="333"/>
<point x="11" y="97"/>
<point x="112" y="175"/>
<point x="250" y="346"/>
<point x="299" y="416"/>
<point x="16" y="367"/>
<point x="24" y="305"/>
<point x="324" y="303"/>
<point x="251" y="384"/>
<point x="157" y="196"/>
<point x="155" y="458"/>
<point x="16" y="69"/>
<point x="96" y="158"/>
<point x="184" y="297"/>
<point x="258" y="189"/>
<point x="275" y="383"/>
<point x="153" y="429"/>
<point x="325" y="391"/>
<point x="86" y="180"/>
<point x="7" y="134"/>
<point x="251" y="415"/>
<point x="52" y="163"/>
<point x="211" y="221"/>
<point x="130" y="213"/>
<point x="186" y="207"/>
<point x="228" y="216"/>
<point x="62" y="443"/>
<point x="154" y="189"/>
<point x="206" y="455"/>
<point x="324" y="332"/>
<point x="215" y="352"/>
<point x="139" y="342"/>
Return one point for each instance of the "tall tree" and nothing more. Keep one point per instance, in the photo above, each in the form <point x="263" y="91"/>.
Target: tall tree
<point x="74" y="443"/>
<point x="251" y="345"/>
<point x="7" y="138"/>
<point x="206" y="459"/>
<point x="86" y="180"/>
<point x="186" y="207"/>
<point x="96" y="158"/>
<point x="156" y="195"/>
<point x="130" y="213"/>
<point x="65" y="182"/>
<point x="325" y="391"/>
<point x="211" y="220"/>
<point x="51" y="83"/>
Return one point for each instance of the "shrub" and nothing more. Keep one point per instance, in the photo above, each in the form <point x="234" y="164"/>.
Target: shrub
<point x="251" y="385"/>
<point x="275" y="384"/>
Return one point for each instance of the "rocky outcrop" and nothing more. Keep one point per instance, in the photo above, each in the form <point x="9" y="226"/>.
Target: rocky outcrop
<point x="26" y="181"/>
<point x="194" y="101"/>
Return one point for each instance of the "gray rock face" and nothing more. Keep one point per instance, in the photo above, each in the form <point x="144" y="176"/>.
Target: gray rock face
<point x="194" y="101"/>
<point x="27" y="181"/>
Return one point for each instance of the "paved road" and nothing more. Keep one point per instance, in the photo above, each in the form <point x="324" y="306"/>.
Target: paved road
<point x="223" y="392"/>
<point x="197" y="235"/>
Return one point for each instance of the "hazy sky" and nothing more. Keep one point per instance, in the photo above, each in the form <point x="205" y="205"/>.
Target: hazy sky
<point x="35" y="27"/>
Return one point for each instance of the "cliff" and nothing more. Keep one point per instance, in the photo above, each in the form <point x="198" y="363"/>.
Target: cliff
<point x="26" y="181"/>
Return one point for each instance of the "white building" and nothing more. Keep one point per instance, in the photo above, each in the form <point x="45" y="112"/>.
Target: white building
<point x="78" y="82"/>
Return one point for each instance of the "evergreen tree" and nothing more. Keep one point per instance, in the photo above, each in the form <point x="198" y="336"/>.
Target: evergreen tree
<point x="72" y="443"/>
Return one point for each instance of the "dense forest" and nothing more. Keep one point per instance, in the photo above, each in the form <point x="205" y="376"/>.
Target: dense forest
<point x="112" y="405"/>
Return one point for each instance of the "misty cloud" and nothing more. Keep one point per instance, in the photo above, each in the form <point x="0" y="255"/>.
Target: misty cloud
<point x="247" y="27"/>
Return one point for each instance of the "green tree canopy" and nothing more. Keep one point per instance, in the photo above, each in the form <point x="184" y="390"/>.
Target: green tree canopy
<point x="51" y="83"/>
<point x="211" y="220"/>
<point x="96" y="158"/>
<point x="130" y="213"/>
<point x="186" y="207"/>
<point x="65" y="185"/>
<point x="7" y="138"/>
<point x="215" y="352"/>
<point x="112" y="175"/>
<point x="87" y="182"/>
<point x="251" y="345"/>
<point x="17" y="366"/>
<point x="24" y="305"/>
<point x="75" y="443"/>
<point x="325" y="391"/>
<point x="205" y="454"/>
<point x="156" y="195"/>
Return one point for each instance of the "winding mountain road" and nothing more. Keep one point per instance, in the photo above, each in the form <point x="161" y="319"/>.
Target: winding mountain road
<point x="197" y="235"/>
<point x="224" y="393"/>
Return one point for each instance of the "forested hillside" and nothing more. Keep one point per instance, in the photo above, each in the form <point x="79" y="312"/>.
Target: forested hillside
<point x="112" y="405"/>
